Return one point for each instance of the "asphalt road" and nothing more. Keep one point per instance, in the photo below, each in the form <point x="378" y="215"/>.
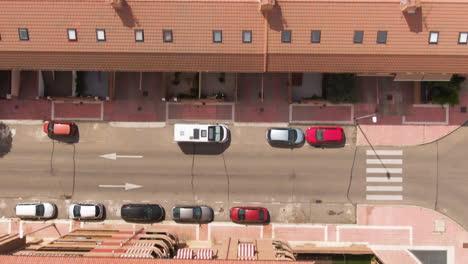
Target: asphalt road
<point x="301" y="185"/>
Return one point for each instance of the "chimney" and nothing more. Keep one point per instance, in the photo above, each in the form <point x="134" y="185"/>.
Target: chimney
<point x="410" y="6"/>
<point x="266" y="5"/>
<point x="117" y="4"/>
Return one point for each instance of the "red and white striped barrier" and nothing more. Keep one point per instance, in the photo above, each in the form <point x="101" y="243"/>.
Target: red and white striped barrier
<point x="184" y="253"/>
<point x="204" y="253"/>
<point x="246" y="251"/>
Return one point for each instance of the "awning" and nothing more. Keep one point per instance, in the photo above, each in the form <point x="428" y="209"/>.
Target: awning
<point x="204" y="253"/>
<point x="137" y="253"/>
<point x="184" y="253"/>
<point x="419" y="77"/>
<point x="246" y="251"/>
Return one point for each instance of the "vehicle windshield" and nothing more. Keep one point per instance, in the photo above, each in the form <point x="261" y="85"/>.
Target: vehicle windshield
<point x="197" y="213"/>
<point x="196" y="133"/>
<point x="50" y="128"/>
<point x="261" y="214"/>
<point x="319" y="134"/>
<point x="215" y="133"/>
<point x="176" y="212"/>
<point x="76" y="211"/>
<point x="98" y="211"/>
<point x="292" y="135"/>
<point x="241" y="214"/>
<point x="148" y="212"/>
<point x="40" y="210"/>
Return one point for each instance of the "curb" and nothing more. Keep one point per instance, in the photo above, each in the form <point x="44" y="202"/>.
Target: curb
<point x="138" y="124"/>
<point x="21" y="122"/>
<point x="248" y="124"/>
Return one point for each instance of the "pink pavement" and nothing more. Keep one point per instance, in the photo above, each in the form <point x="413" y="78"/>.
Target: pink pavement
<point x="419" y="124"/>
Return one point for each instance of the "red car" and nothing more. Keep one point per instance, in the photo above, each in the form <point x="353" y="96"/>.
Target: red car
<point x="52" y="128"/>
<point x="249" y="215"/>
<point x="325" y="135"/>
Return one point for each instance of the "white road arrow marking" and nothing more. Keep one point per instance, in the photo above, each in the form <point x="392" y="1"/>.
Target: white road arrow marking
<point x="126" y="186"/>
<point x="114" y="156"/>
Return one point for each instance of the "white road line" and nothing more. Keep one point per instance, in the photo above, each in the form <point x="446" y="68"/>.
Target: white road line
<point x="385" y="152"/>
<point x="384" y="197"/>
<point x="385" y="161"/>
<point x="384" y="188"/>
<point x="384" y="179"/>
<point x="384" y="170"/>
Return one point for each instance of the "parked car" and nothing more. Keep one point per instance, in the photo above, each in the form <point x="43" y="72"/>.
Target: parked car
<point x="86" y="211"/>
<point x="142" y="212"/>
<point x="286" y="136"/>
<point x="197" y="214"/>
<point x="53" y="128"/>
<point x="36" y="210"/>
<point x="319" y="136"/>
<point x="218" y="133"/>
<point x="249" y="215"/>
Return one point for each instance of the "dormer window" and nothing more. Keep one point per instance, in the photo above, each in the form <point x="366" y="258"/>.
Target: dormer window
<point x="247" y="36"/>
<point x="167" y="36"/>
<point x="23" y="34"/>
<point x="139" y="35"/>
<point x="217" y="36"/>
<point x="433" y="37"/>
<point x="315" y="36"/>
<point x="358" y="37"/>
<point x="381" y="37"/>
<point x="463" y="38"/>
<point x="100" y="35"/>
<point x="72" y="34"/>
<point x="286" y="36"/>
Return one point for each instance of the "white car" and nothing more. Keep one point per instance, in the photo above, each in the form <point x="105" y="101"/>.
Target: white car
<point x="36" y="210"/>
<point x="86" y="211"/>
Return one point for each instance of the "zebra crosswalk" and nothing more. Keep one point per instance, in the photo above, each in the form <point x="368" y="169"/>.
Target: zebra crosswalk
<point x="384" y="175"/>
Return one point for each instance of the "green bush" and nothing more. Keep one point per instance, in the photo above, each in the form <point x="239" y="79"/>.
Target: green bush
<point x="445" y="92"/>
<point x="341" y="88"/>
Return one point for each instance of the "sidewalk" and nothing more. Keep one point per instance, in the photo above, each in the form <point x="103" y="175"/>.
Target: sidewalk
<point x="407" y="124"/>
<point x="396" y="234"/>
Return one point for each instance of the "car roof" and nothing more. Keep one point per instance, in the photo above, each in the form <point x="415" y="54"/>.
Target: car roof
<point x="279" y="134"/>
<point x="139" y="210"/>
<point x="26" y="209"/>
<point x="62" y="129"/>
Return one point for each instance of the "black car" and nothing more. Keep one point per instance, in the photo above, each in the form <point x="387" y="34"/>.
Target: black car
<point x="142" y="212"/>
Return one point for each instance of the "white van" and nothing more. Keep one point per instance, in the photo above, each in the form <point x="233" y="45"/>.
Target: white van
<point x="201" y="133"/>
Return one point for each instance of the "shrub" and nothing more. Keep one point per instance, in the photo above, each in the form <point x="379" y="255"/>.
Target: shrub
<point x="341" y="88"/>
<point x="445" y="92"/>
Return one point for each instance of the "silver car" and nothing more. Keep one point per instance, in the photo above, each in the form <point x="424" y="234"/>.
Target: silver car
<point x="192" y="214"/>
<point x="286" y="136"/>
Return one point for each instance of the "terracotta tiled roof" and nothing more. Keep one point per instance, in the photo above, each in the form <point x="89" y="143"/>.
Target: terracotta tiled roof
<point x="232" y="62"/>
<point x="192" y="22"/>
<point x="126" y="61"/>
<point x="82" y="260"/>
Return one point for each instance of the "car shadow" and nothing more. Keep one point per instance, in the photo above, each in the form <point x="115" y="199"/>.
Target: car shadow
<point x="67" y="139"/>
<point x="285" y="146"/>
<point x="190" y="148"/>
<point x="331" y="146"/>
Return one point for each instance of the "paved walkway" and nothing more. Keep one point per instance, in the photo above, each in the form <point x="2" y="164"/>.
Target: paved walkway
<point x="401" y="124"/>
<point x="394" y="233"/>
